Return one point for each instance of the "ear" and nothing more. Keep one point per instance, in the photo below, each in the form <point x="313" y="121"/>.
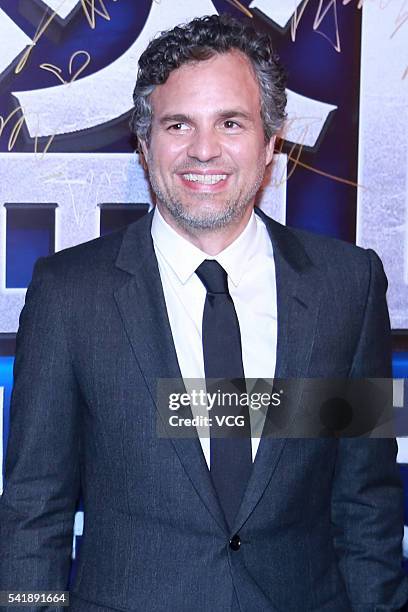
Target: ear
<point x="270" y="149"/>
<point x="144" y="148"/>
<point x="143" y="153"/>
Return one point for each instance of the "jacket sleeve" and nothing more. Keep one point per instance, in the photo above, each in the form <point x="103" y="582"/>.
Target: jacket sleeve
<point x="367" y="497"/>
<point x="42" y="462"/>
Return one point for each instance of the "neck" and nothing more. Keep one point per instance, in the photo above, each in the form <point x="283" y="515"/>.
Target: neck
<point x="211" y="241"/>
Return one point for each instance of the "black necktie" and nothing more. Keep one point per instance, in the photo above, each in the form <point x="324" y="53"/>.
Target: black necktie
<point x="230" y="446"/>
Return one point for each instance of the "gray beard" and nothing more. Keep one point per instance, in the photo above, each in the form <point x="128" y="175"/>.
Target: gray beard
<point x="211" y="220"/>
<point x="207" y="220"/>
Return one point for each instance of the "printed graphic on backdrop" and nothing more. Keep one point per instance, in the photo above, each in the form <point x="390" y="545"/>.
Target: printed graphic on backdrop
<point x="75" y="183"/>
<point x="68" y="172"/>
<point x="382" y="221"/>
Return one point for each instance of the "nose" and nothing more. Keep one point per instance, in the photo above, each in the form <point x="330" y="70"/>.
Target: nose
<point x="204" y="145"/>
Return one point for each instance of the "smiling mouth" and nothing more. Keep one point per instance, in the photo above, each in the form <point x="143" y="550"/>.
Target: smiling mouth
<point x="205" y="179"/>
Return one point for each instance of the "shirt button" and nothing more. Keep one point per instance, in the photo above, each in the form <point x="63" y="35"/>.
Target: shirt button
<point x="235" y="542"/>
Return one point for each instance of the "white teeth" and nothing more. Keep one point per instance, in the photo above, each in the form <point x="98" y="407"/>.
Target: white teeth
<point x="205" y="179"/>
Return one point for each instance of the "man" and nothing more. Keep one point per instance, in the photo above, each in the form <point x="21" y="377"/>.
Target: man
<point x="201" y="288"/>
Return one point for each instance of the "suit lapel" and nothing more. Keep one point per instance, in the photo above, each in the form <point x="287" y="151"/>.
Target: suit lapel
<point x="298" y="297"/>
<point x="143" y="310"/>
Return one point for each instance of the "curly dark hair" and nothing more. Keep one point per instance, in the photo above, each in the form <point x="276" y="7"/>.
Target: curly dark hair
<point x="199" y="40"/>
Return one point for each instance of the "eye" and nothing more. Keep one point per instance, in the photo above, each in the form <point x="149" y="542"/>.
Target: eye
<point x="230" y="124"/>
<point x="178" y="127"/>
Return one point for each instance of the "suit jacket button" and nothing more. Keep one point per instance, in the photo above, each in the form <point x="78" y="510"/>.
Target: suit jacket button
<point x="235" y="542"/>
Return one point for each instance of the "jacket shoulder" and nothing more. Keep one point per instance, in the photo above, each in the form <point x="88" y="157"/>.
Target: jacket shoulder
<point x="91" y="254"/>
<point x="324" y="252"/>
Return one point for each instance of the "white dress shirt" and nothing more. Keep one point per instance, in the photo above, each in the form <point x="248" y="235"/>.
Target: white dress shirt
<point x="250" y="267"/>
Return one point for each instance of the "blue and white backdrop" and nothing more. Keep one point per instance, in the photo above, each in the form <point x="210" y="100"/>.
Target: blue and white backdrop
<point x="68" y="172"/>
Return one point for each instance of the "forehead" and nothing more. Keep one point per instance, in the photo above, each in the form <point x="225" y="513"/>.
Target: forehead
<point x="224" y="80"/>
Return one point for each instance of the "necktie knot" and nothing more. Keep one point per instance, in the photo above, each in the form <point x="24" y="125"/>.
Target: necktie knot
<point x="213" y="276"/>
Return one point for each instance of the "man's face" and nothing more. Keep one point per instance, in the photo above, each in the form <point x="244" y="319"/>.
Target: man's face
<point x="207" y="153"/>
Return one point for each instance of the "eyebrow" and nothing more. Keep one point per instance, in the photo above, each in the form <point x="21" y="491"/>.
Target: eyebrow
<point x="234" y="112"/>
<point x="176" y="118"/>
<point x="221" y="114"/>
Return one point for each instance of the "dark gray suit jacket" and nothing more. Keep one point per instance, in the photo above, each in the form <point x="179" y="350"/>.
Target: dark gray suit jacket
<point x="321" y="521"/>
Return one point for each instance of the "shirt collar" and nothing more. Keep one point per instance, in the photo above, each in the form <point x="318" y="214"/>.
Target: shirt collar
<point x="184" y="257"/>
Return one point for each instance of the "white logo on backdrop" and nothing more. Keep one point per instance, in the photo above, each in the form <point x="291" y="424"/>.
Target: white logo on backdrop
<point x="62" y="7"/>
<point x="106" y="95"/>
<point x="77" y="184"/>
<point x="278" y="12"/>
<point x="382" y="219"/>
<point x="12" y="41"/>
